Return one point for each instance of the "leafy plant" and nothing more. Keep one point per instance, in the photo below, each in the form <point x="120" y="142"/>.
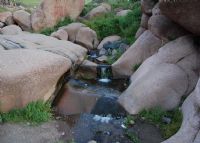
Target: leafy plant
<point x="35" y="112"/>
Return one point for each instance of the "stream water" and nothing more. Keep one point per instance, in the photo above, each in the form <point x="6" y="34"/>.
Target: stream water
<point x="88" y="110"/>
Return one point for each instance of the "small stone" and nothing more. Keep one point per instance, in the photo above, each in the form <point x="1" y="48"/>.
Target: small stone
<point x="92" y="141"/>
<point x="166" y="120"/>
<point x="63" y="133"/>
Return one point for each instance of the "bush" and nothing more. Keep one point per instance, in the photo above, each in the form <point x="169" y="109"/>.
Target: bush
<point x="35" y="112"/>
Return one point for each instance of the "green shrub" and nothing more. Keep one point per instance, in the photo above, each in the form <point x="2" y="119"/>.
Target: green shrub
<point x="64" y="22"/>
<point x="35" y="112"/>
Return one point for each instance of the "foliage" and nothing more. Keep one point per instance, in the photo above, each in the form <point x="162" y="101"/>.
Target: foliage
<point x="35" y="112"/>
<point x="132" y="137"/>
<point x="61" y="23"/>
<point x="155" y="116"/>
<point x="129" y="121"/>
<point x="110" y="24"/>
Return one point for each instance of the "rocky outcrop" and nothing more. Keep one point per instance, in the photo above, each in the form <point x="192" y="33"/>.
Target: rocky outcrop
<point x="163" y="78"/>
<point x="184" y="12"/>
<point x="31" y="66"/>
<point x="50" y="12"/>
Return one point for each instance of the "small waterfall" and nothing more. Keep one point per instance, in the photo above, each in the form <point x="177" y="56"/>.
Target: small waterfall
<point x="104" y="73"/>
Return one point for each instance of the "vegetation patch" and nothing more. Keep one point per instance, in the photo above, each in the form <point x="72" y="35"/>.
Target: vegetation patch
<point x="156" y="115"/>
<point x="64" y="22"/>
<point x="2" y="9"/>
<point x="34" y="113"/>
<point x="132" y="137"/>
<point x="110" y="24"/>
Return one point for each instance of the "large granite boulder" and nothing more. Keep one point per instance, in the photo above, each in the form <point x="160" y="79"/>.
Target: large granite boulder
<point x="87" y="38"/>
<point x="100" y="10"/>
<point x="164" y="77"/>
<point x="23" y="19"/>
<point x="31" y="66"/>
<point x="50" y="12"/>
<point x="184" y="12"/>
<point x="72" y="30"/>
<point x="144" y="47"/>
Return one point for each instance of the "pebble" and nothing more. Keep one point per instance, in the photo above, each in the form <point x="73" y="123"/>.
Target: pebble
<point x="92" y="141"/>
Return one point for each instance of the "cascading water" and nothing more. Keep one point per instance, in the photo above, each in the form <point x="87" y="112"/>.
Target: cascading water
<point x="104" y="73"/>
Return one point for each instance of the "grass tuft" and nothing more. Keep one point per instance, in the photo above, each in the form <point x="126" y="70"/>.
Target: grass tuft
<point x="64" y="22"/>
<point x="35" y="113"/>
<point x="156" y="115"/>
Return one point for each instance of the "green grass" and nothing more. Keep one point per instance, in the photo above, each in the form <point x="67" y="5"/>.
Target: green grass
<point x="110" y="24"/>
<point x="34" y="113"/>
<point x="155" y="116"/>
<point x="29" y="3"/>
<point x="2" y="9"/>
<point x="48" y="31"/>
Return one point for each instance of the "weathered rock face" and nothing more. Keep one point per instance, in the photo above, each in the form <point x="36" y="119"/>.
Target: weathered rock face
<point x="29" y="75"/>
<point x="164" y="28"/>
<point x="50" y="12"/>
<point x="23" y="19"/>
<point x="145" y="46"/>
<point x="82" y="35"/>
<point x="190" y="128"/>
<point x="60" y="34"/>
<point x="163" y="78"/>
<point x="11" y="30"/>
<point x="184" y="12"/>
<point x="87" y="38"/>
<point x="100" y="10"/>
<point x="147" y="6"/>
<point x="31" y="66"/>
<point x="72" y="30"/>
<point x="6" y="17"/>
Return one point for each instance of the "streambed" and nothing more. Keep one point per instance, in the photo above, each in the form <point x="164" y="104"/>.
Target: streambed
<point x="90" y="112"/>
